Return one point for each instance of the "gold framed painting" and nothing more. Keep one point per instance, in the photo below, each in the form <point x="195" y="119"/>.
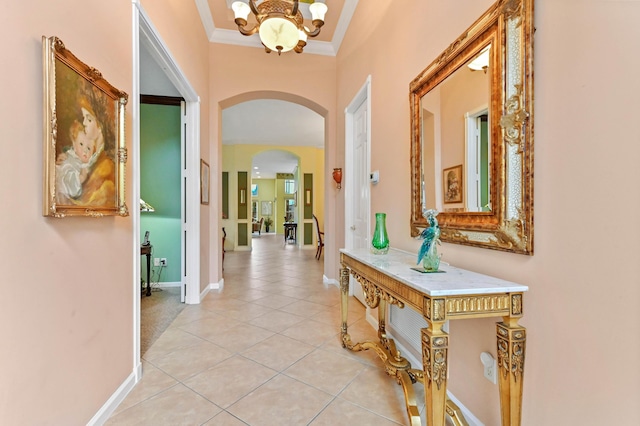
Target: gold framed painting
<point x="84" y="145"/>
<point x="452" y="181"/>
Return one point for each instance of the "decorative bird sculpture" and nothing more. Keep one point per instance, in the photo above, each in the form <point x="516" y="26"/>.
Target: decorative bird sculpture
<point x="430" y="235"/>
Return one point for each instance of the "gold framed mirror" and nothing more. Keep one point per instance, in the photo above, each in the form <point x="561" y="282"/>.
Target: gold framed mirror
<point x="472" y="134"/>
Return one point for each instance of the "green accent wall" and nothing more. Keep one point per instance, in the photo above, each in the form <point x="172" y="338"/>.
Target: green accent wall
<point x="308" y="233"/>
<point x="307" y="195"/>
<point x="243" y="238"/>
<point x="225" y="194"/>
<point x="243" y="185"/>
<point x="160" y="186"/>
<point x="484" y="164"/>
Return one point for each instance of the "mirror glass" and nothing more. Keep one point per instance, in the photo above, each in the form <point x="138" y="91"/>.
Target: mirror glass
<point x="472" y="134"/>
<point x="456" y="142"/>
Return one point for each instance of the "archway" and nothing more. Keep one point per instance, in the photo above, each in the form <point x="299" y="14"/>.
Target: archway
<point x="251" y="127"/>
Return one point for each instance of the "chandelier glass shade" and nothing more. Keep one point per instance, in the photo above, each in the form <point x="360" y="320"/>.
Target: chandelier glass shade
<point x="280" y="23"/>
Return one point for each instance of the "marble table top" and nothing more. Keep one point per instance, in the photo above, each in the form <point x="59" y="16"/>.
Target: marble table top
<point x="451" y="281"/>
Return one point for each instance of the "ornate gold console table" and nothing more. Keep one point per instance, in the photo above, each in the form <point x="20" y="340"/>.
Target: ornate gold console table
<point x="454" y="294"/>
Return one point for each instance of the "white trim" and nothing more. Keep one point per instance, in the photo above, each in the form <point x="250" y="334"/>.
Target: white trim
<point x="205" y="17"/>
<point x="192" y="295"/>
<point x="329" y="281"/>
<point x="409" y="355"/>
<point x="150" y="38"/>
<point x="109" y="407"/>
<point x="135" y="184"/>
<point x="143" y="32"/>
<point x="348" y="10"/>
<point x="363" y="95"/>
<point x="160" y="52"/>
<point x="166" y="284"/>
<point x="468" y="415"/>
<point x="217" y="286"/>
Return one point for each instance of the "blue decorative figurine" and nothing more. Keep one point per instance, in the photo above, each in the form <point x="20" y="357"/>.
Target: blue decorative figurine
<point x="428" y="253"/>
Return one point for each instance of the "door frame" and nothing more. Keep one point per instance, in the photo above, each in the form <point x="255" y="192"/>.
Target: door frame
<point x="145" y="33"/>
<point x="363" y="95"/>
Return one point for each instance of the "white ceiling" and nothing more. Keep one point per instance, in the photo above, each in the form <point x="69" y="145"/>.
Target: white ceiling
<point x="260" y="122"/>
<point x="272" y="122"/>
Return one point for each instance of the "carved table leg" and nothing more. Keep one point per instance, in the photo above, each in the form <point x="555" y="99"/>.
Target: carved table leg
<point x="511" y="348"/>
<point x="382" y="321"/>
<point x="344" y="304"/>
<point x="435" y="348"/>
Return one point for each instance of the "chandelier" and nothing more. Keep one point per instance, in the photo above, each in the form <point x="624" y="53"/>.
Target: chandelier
<point x="280" y="23"/>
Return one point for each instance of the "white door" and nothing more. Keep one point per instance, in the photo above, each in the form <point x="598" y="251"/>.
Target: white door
<point x="357" y="233"/>
<point x="183" y="197"/>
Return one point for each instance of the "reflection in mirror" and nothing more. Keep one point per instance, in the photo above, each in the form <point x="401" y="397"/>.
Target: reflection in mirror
<point x="455" y="131"/>
<point x="472" y="134"/>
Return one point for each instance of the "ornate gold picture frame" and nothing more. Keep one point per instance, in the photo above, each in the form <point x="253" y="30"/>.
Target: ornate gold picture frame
<point x="505" y="221"/>
<point x="84" y="145"/>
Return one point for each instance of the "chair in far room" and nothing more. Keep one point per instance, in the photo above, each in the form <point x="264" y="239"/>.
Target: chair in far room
<point x="320" y="238"/>
<point x="257" y="226"/>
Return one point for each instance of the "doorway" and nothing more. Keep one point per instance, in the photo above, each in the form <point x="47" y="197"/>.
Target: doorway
<point x="478" y="160"/>
<point x="147" y="40"/>
<point x="358" y="165"/>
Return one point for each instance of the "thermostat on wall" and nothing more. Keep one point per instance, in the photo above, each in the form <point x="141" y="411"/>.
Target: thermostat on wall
<point x="374" y="177"/>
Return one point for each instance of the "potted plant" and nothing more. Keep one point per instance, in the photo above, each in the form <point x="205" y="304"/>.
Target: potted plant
<point x="267" y="223"/>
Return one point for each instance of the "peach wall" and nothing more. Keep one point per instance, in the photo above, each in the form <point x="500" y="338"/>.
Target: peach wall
<point x="66" y="318"/>
<point x="241" y="73"/>
<point x="68" y="336"/>
<point x="580" y="312"/>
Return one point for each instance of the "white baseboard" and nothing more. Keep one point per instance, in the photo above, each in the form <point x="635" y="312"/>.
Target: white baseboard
<point x="408" y="354"/>
<point x="217" y="286"/>
<point x="116" y="399"/>
<point x="167" y="284"/>
<point x="330" y="281"/>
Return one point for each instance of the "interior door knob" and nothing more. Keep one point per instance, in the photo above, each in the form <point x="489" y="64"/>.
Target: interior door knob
<point x="353" y="228"/>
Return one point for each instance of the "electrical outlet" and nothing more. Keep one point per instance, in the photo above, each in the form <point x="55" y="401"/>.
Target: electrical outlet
<point x="156" y="261"/>
<point x="163" y="261"/>
<point x="489" y="363"/>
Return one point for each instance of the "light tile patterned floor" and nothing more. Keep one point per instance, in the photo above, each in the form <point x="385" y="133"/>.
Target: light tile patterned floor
<point x="264" y="351"/>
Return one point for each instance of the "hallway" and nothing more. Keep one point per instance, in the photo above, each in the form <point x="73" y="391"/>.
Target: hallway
<point x="264" y="351"/>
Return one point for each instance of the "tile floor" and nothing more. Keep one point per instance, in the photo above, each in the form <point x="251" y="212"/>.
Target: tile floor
<point x="263" y="351"/>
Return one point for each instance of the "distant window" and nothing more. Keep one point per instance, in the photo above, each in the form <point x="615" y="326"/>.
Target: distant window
<point x="290" y="210"/>
<point x="289" y="186"/>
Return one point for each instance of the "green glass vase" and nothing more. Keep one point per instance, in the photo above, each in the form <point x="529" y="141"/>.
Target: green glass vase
<point x="380" y="242"/>
<point x="431" y="260"/>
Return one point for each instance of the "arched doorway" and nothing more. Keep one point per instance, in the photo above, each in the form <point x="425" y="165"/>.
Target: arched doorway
<point x="260" y="123"/>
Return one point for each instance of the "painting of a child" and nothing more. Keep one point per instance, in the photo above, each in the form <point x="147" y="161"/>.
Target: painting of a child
<point x="73" y="165"/>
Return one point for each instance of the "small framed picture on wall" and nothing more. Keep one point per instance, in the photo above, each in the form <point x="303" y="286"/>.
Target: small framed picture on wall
<point x="452" y="181"/>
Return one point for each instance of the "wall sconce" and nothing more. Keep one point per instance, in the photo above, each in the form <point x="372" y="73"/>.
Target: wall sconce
<point x="337" y="176"/>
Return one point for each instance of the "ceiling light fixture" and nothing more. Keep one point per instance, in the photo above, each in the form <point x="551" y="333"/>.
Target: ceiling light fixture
<point x="481" y="62"/>
<point x="279" y="23"/>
